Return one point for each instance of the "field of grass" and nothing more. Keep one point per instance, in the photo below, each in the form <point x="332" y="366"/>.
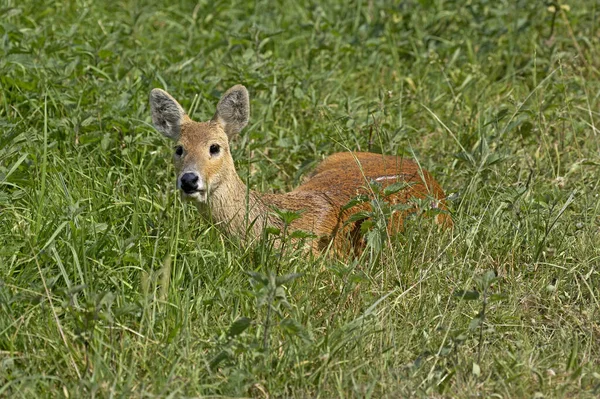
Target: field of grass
<point x="110" y="286"/>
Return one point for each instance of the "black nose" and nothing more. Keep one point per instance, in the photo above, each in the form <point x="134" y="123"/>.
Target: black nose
<point x="189" y="183"/>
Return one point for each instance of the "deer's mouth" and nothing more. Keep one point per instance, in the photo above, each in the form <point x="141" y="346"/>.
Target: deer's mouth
<point x="197" y="195"/>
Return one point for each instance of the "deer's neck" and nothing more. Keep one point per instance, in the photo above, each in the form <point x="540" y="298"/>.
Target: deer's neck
<point x="237" y="210"/>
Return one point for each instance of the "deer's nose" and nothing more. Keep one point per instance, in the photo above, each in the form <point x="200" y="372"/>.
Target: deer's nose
<point x="189" y="182"/>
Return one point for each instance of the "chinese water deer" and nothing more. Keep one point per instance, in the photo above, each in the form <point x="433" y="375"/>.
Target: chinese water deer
<point x="206" y="174"/>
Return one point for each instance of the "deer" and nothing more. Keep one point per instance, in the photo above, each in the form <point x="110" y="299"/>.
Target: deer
<point x="206" y="175"/>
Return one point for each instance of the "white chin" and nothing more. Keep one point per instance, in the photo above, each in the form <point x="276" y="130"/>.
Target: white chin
<point x="197" y="196"/>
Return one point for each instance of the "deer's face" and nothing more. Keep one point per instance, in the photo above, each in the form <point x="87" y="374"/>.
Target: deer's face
<point x="201" y="154"/>
<point x="202" y="159"/>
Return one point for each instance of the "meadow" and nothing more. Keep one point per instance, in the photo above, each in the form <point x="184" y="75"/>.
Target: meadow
<point x="110" y="286"/>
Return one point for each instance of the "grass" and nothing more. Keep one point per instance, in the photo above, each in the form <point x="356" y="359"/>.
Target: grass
<point x="110" y="286"/>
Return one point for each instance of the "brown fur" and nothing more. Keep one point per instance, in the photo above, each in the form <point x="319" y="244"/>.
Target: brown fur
<point x="338" y="179"/>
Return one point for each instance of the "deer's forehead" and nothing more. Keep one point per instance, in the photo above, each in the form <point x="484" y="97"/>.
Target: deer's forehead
<point x="199" y="133"/>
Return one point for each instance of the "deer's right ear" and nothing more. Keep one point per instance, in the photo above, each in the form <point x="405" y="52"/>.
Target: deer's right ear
<point x="167" y="114"/>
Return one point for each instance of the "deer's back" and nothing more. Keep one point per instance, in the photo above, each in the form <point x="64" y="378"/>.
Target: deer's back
<point x="343" y="176"/>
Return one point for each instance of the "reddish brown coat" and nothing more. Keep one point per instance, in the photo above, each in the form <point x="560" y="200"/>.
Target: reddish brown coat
<point x="342" y="177"/>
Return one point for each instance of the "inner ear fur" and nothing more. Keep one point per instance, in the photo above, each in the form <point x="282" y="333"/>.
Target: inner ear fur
<point x="167" y="114"/>
<point x="233" y="110"/>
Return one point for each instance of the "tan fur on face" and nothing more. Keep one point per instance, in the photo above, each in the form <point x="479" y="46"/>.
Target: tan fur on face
<point x="196" y="139"/>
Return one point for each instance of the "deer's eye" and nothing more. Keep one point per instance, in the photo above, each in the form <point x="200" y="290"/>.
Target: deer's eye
<point x="214" y="149"/>
<point x="179" y="150"/>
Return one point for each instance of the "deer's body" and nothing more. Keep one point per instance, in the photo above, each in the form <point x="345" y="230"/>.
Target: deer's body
<point x="207" y="175"/>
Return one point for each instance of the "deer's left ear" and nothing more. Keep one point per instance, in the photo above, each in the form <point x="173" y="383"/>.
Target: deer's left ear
<point x="167" y="114"/>
<point x="233" y="110"/>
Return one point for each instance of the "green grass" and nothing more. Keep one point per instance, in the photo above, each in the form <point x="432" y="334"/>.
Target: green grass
<point x="111" y="287"/>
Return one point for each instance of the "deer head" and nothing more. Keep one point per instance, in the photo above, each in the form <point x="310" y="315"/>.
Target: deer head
<point x="202" y="157"/>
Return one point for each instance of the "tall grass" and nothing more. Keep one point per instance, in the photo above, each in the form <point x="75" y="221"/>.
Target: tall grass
<point x="110" y="286"/>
